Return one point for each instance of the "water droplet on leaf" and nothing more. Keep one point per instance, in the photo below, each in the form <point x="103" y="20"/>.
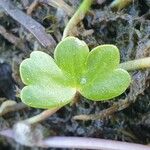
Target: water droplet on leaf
<point x="83" y="81"/>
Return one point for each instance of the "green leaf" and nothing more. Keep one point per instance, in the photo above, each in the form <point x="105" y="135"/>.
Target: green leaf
<point x="103" y="80"/>
<point x="70" y="55"/>
<point x="106" y="87"/>
<point x="101" y="60"/>
<point x="46" y="97"/>
<point x="54" y="83"/>
<point x="47" y="86"/>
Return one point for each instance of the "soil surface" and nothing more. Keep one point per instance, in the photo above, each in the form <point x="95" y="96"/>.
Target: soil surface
<point x="128" y="29"/>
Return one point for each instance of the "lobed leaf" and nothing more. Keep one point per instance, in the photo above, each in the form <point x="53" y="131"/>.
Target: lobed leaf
<point x="101" y="61"/>
<point x="47" y="86"/>
<point x="54" y="83"/>
<point x="103" y="80"/>
<point x="106" y="87"/>
<point x="70" y="55"/>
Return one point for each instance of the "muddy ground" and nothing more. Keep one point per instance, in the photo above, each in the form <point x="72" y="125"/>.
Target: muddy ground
<point x="129" y="29"/>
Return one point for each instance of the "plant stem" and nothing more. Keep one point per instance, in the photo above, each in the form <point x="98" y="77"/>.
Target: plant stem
<point x="77" y="17"/>
<point x="59" y="4"/>
<point x="42" y="116"/>
<point x="120" y="4"/>
<point x="13" y="108"/>
<point x="90" y="143"/>
<point x="104" y="113"/>
<point x="142" y="63"/>
<point x="75" y="99"/>
<point x="81" y="143"/>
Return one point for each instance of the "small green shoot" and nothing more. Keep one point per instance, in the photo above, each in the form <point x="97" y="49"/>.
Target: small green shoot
<point x="120" y="4"/>
<point x="52" y="83"/>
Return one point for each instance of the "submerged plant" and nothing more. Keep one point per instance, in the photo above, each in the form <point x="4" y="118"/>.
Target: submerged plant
<point x="52" y="83"/>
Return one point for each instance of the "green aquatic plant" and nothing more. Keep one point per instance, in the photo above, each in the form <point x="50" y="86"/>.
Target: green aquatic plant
<point x="52" y="83"/>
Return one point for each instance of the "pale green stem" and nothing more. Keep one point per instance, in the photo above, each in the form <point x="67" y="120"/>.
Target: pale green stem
<point x="77" y="17"/>
<point x="142" y="63"/>
<point x="120" y="4"/>
<point x="59" y="4"/>
<point x="42" y="116"/>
